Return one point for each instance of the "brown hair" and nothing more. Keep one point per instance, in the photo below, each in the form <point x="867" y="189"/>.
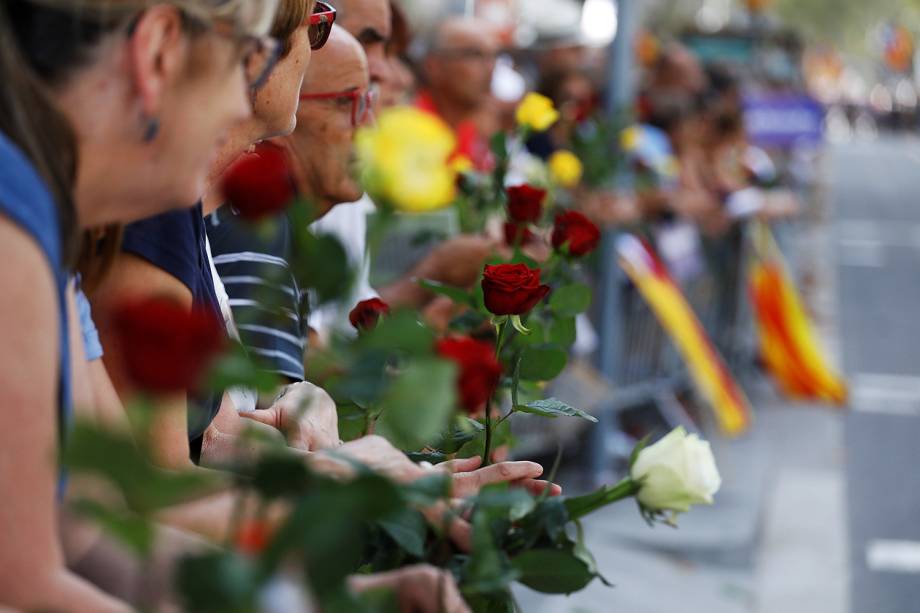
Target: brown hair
<point x="42" y="42"/>
<point x="290" y="16"/>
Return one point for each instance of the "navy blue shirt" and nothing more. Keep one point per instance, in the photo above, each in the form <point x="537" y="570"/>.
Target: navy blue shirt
<point x="269" y="308"/>
<point x="175" y="243"/>
<point x="26" y="201"/>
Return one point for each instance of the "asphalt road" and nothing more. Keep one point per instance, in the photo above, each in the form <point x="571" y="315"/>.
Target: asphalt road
<point x="875" y="221"/>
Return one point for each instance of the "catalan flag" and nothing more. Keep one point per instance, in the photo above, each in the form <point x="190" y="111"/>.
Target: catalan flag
<point x="667" y="301"/>
<point x="789" y="346"/>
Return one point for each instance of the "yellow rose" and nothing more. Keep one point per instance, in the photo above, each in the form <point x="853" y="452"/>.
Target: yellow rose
<point x="536" y="112"/>
<point x="404" y="160"/>
<point x="630" y="138"/>
<point x="565" y="168"/>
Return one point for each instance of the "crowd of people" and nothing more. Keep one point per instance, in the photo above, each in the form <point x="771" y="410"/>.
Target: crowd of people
<point x="118" y="121"/>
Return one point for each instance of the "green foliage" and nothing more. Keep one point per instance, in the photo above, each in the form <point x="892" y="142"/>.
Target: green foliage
<point x="218" y="582"/>
<point x="408" y="530"/>
<point x="418" y="405"/>
<point x="542" y="362"/>
<point x="553" y="408"/>
<point x="456" y="294"/>
<point x="553" y="571"/>
<point x="571" y="300"/>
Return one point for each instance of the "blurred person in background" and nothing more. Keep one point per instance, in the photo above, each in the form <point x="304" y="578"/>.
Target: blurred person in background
<point x="399" y="88"/>
<point x="458" y="68"/>
<point x="107" y="125"/>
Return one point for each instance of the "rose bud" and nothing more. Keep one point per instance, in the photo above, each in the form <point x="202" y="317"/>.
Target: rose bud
<point x="676" y="472"/>
<point x="577" y="231"/>
<point x="525" y="203"/>
<point x="167" y="347"/>
<point x="512" y="289"/>
<point x="259" y="185"/>
<point x="479" y="369"/>
<point x="367" y="313"/>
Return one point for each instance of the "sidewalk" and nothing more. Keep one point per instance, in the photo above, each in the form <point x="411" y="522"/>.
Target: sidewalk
<point x="774" y="542"/>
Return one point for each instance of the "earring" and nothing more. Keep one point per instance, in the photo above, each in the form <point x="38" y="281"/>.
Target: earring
<point x="152" y="130"/>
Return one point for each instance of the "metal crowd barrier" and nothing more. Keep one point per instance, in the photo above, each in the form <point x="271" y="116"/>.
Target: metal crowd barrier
<point x="642" y="364"/>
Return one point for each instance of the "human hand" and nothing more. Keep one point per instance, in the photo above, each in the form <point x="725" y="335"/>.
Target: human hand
<point x="458" y="261"/>
<point x="306" y="414"/>
<point x="419" y="589"/>
<point x="468" y="478"/>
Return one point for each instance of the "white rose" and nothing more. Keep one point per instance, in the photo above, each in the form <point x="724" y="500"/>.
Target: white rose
<point x="676" y="472"/>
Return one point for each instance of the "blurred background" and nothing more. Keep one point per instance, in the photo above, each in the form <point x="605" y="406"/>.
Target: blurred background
<point x="820" y="504"/>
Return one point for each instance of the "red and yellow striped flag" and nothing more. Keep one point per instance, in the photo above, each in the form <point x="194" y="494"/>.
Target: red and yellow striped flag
<point x="667" y="301"/>
<point x="788" y="344"/>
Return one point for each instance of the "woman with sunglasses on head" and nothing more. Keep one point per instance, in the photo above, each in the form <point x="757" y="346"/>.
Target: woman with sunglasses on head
<point x="110" y="89"/>
<point x="167" y="256"/>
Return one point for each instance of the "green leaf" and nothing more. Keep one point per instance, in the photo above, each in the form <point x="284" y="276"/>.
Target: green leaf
<point x="352" y="421"/>
<point x="547" y="521"/>
<point x="432" y="457"/>
<point x="217" y="582"/>
<point x="461" y="432"/>
<point x="280" y="475"/>
<point x="419" y="404"/>
<point x="408" y="529"/>
<point x="553" y="408"/>
<point x="400" y="331"/>
<point x="542" y="362"/>
<point x="571" y="299"/>
<point x="458" y="295"/>
<point x="488" y="570"/>
<point x="500" y="602"/>
<point x="333" y="278"/>
<point x="562" y="331"/>
<point x="552" y="571"/>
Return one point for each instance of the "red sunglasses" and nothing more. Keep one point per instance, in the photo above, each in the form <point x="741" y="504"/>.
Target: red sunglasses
<point x="321" y="24"/>
<point x="361" y="102"/>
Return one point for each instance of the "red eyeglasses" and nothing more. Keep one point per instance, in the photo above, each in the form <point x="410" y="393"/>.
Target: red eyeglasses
<point x="361" y="102"/>
<point x="321" y="24"/>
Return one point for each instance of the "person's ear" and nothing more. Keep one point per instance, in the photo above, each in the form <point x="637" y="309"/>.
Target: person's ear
<point x="158" y="52"/>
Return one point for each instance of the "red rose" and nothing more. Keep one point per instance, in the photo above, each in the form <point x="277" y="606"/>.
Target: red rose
<point x="512" y="289"/>
<point x="259" y="185"/>
<point x="479" y="373"/>
<point x="367" y="313"/>
<point x="252" y="537"/>
<point x="518" y="234"/>
<point x="167" y="348"/>
<point x="525" y="203"/>
<point x="577" y="231"/>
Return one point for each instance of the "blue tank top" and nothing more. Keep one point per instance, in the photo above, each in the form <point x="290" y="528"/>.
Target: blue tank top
<point x="26" y="201"/>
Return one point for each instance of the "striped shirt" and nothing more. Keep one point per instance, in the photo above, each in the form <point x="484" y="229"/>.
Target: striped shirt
<point x="268" y="306"/>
